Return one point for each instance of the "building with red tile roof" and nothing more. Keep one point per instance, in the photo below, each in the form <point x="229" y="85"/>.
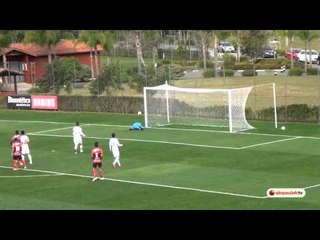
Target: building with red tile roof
<point x="31" y="59"/>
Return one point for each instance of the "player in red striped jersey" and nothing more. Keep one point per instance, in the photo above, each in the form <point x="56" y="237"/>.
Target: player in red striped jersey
<point x="96" y="157"/>
<point x="17" y="154"/>
<point x="16" y="135"/>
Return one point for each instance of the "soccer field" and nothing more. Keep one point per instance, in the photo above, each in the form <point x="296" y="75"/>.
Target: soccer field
<point x="174" y="167"/>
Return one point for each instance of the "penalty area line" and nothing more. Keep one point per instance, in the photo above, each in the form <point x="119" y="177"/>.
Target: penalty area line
<point x="32" y="176"/>
<point x="271" y="142"/>
<point x="148" y="184"/>
<point x="312" y="186"/>
<point x="141" y="140"/>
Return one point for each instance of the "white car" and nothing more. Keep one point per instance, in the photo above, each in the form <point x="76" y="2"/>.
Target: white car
<point x="225" y="47"/>
<point x="301" y="56"/>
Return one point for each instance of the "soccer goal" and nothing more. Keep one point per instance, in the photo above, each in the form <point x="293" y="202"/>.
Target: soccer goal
<point x="165" y="104"/>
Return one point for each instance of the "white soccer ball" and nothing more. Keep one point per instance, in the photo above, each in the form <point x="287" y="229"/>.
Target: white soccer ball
<point x="283" y="128"/>
<point x="139" y="113"/>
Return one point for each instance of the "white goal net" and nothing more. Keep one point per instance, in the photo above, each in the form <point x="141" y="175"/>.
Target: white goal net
<point x="165" y="104"/>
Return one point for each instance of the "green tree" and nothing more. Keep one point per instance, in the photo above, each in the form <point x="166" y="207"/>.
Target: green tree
<point x="153" y="76"/>
<point x="151" y="39"/>
<point x="6" y="38"/>
<point x="61" y="74"/>
<point x="202" y="37"/>
<point x="44" y="38"/>
<point x="238" y="35"/>
<point x="94" y="38"/>
<point x="109" y="81"/>
<point x="253" y="41"/>
<point x="181" y="51"/>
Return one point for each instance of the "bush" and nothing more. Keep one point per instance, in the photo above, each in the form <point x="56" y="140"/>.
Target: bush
<point x="3" y="99"/>
<point x="186" y="63"/>
<point x="244" y="58"/>
<point x="281" y="52"/>
<point x="208" y="73"/>
<point x="295" y="72"/>
<point x="164" y="62"/>
<point x="312" y="71"/>
<point x="293" y="113"/>
<point x="249" y="73"/>
<point x="297" y="64"/>
<point x="36" y="90"/>
<point x="229" y="62"/>
<point x="227" y="73"/>
<point x="200" y="64"/>
<point x="243" y="65"/>
<point x="271" y="63"/>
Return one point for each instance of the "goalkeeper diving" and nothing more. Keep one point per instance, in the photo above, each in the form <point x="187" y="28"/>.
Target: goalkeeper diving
<point x="136" y="126"/>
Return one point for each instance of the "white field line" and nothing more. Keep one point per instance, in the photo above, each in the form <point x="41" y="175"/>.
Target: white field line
<point x="62" y="123"/>
<point x="58" y="129"/>
<point x="51" y="130"/>
<point x="312" y="186"/>
<point x="147" y="184"/>
<point x="24" y="121"/>
<point x="271" y="142"/>
<point x="173" y="129"/>
<point x="139" y="140"/>
<point x="32" y="176"/>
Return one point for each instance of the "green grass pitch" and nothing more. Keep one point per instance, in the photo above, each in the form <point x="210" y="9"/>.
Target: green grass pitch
<point x="174" y="167"/>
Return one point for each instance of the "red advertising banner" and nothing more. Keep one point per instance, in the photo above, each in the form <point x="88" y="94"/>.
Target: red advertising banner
<point x="44" y="102"/>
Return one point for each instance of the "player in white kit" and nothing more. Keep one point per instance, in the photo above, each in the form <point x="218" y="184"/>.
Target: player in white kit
<point x="25" y="146"/>
<point x="114" y="148"/>
<point x="77" y="138"/>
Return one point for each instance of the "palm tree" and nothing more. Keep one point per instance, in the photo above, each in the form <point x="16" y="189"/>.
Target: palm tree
<point x="107" y="44"/>
<point x="43" y="38"/>
<point x="290" y="34"/>
<point x="307" y="36"/>
<point x="201" y="36"/>
<point x="152" y="39"/>
<point x="237" y="33"/>
<point x="6" y="38"/>
<point x="94" y="38"/>
<point x="215" y="45"/>
<point x="222" y="36"/>
<point x="139" y="50"/>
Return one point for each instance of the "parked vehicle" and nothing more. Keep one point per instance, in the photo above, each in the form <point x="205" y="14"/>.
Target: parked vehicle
<point x="302" y="56"/>
<point x="294" y="54"/>
<point x="268" y="52"/>
<point x="225" y="47"/>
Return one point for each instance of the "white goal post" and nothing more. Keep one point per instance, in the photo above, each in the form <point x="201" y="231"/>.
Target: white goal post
<point x="165" y="104"/>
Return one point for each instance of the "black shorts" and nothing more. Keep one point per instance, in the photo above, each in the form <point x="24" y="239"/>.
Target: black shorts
<point x="19" y="157"/>
<point x="95" y="165"/>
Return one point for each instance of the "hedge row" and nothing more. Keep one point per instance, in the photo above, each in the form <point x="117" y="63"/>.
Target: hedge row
<point x="101" y="104"/>
<point x="291" y="113"/>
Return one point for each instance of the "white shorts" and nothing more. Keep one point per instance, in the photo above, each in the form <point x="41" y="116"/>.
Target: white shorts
<point x="77" y="141"/>
<point x="25" y="149"/>
<point x="115" y="153"/>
